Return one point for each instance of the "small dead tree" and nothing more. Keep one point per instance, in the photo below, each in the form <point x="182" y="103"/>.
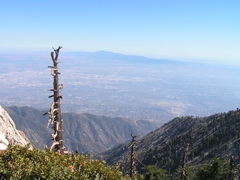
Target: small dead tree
<point x="132" y="155"/>
<point x="54" y="113"/>
<point x="183" y="174"/>
<point x="231" y="169"/>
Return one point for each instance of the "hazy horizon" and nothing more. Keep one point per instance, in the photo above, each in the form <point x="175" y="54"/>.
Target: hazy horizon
<point x="46" y="53"/>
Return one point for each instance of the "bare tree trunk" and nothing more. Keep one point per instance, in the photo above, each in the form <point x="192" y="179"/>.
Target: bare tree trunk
<point x="231" y="169"/>
<point x="55" y="109"/>
<point x="132" y="158"/>
<point x="183" y="175"/>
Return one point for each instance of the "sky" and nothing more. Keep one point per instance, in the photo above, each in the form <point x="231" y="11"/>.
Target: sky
<point x="190" y="29"/>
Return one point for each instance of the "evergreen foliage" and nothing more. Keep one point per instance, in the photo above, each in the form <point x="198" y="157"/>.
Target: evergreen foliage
<point x="154" y="173"/>
<point x="189" y="174"/>
<point x="215" y="170"/>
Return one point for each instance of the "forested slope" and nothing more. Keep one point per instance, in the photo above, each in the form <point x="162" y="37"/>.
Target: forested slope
<point x="216" y="136"/>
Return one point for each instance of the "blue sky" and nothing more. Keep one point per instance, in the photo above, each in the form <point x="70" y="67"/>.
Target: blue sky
<point x="190" y="29"/>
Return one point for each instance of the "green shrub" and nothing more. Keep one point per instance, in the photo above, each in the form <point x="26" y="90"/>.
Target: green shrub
<point x="21" y="163"/>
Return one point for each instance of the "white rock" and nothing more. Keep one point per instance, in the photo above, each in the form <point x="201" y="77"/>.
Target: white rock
<point x="2" y="147"/>
<point x="3" y="140"/>
<point x="8" y="132"/>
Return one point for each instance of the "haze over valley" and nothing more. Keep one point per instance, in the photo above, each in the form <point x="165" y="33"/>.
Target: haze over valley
<point x="117" y="85"/>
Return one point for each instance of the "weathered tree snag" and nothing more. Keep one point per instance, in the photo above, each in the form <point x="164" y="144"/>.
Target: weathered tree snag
<point x="55" y="108"/>
<point x="183" y="174"/>
<point x="132" y="157"/>
<point x="231" y="169"/>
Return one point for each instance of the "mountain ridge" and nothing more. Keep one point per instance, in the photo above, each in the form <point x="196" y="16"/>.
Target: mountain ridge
<point x="86" y="133"/>
<point x="108" y="55"/>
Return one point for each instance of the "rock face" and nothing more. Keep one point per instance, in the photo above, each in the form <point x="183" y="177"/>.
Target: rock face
<point x="8" y="132"/>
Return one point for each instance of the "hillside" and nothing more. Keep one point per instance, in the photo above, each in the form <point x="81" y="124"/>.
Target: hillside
<point x="216" y="136"/>
<point x="83" y="132"/>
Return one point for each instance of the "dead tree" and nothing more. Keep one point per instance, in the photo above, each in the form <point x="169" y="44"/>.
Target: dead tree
<point x="183" y="174"/>
<point x="231" y="169"/>
<point x="54" y="113"/>
<point x="132" y="156"/>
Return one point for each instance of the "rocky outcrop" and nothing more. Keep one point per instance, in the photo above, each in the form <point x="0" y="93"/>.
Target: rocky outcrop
<point x="8" y="132"/>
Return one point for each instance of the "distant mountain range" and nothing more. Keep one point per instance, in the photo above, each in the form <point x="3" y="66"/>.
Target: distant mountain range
<point x="202" y="138"/>
<point x="86" y="133"/>
<point x="118" y="57"/>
